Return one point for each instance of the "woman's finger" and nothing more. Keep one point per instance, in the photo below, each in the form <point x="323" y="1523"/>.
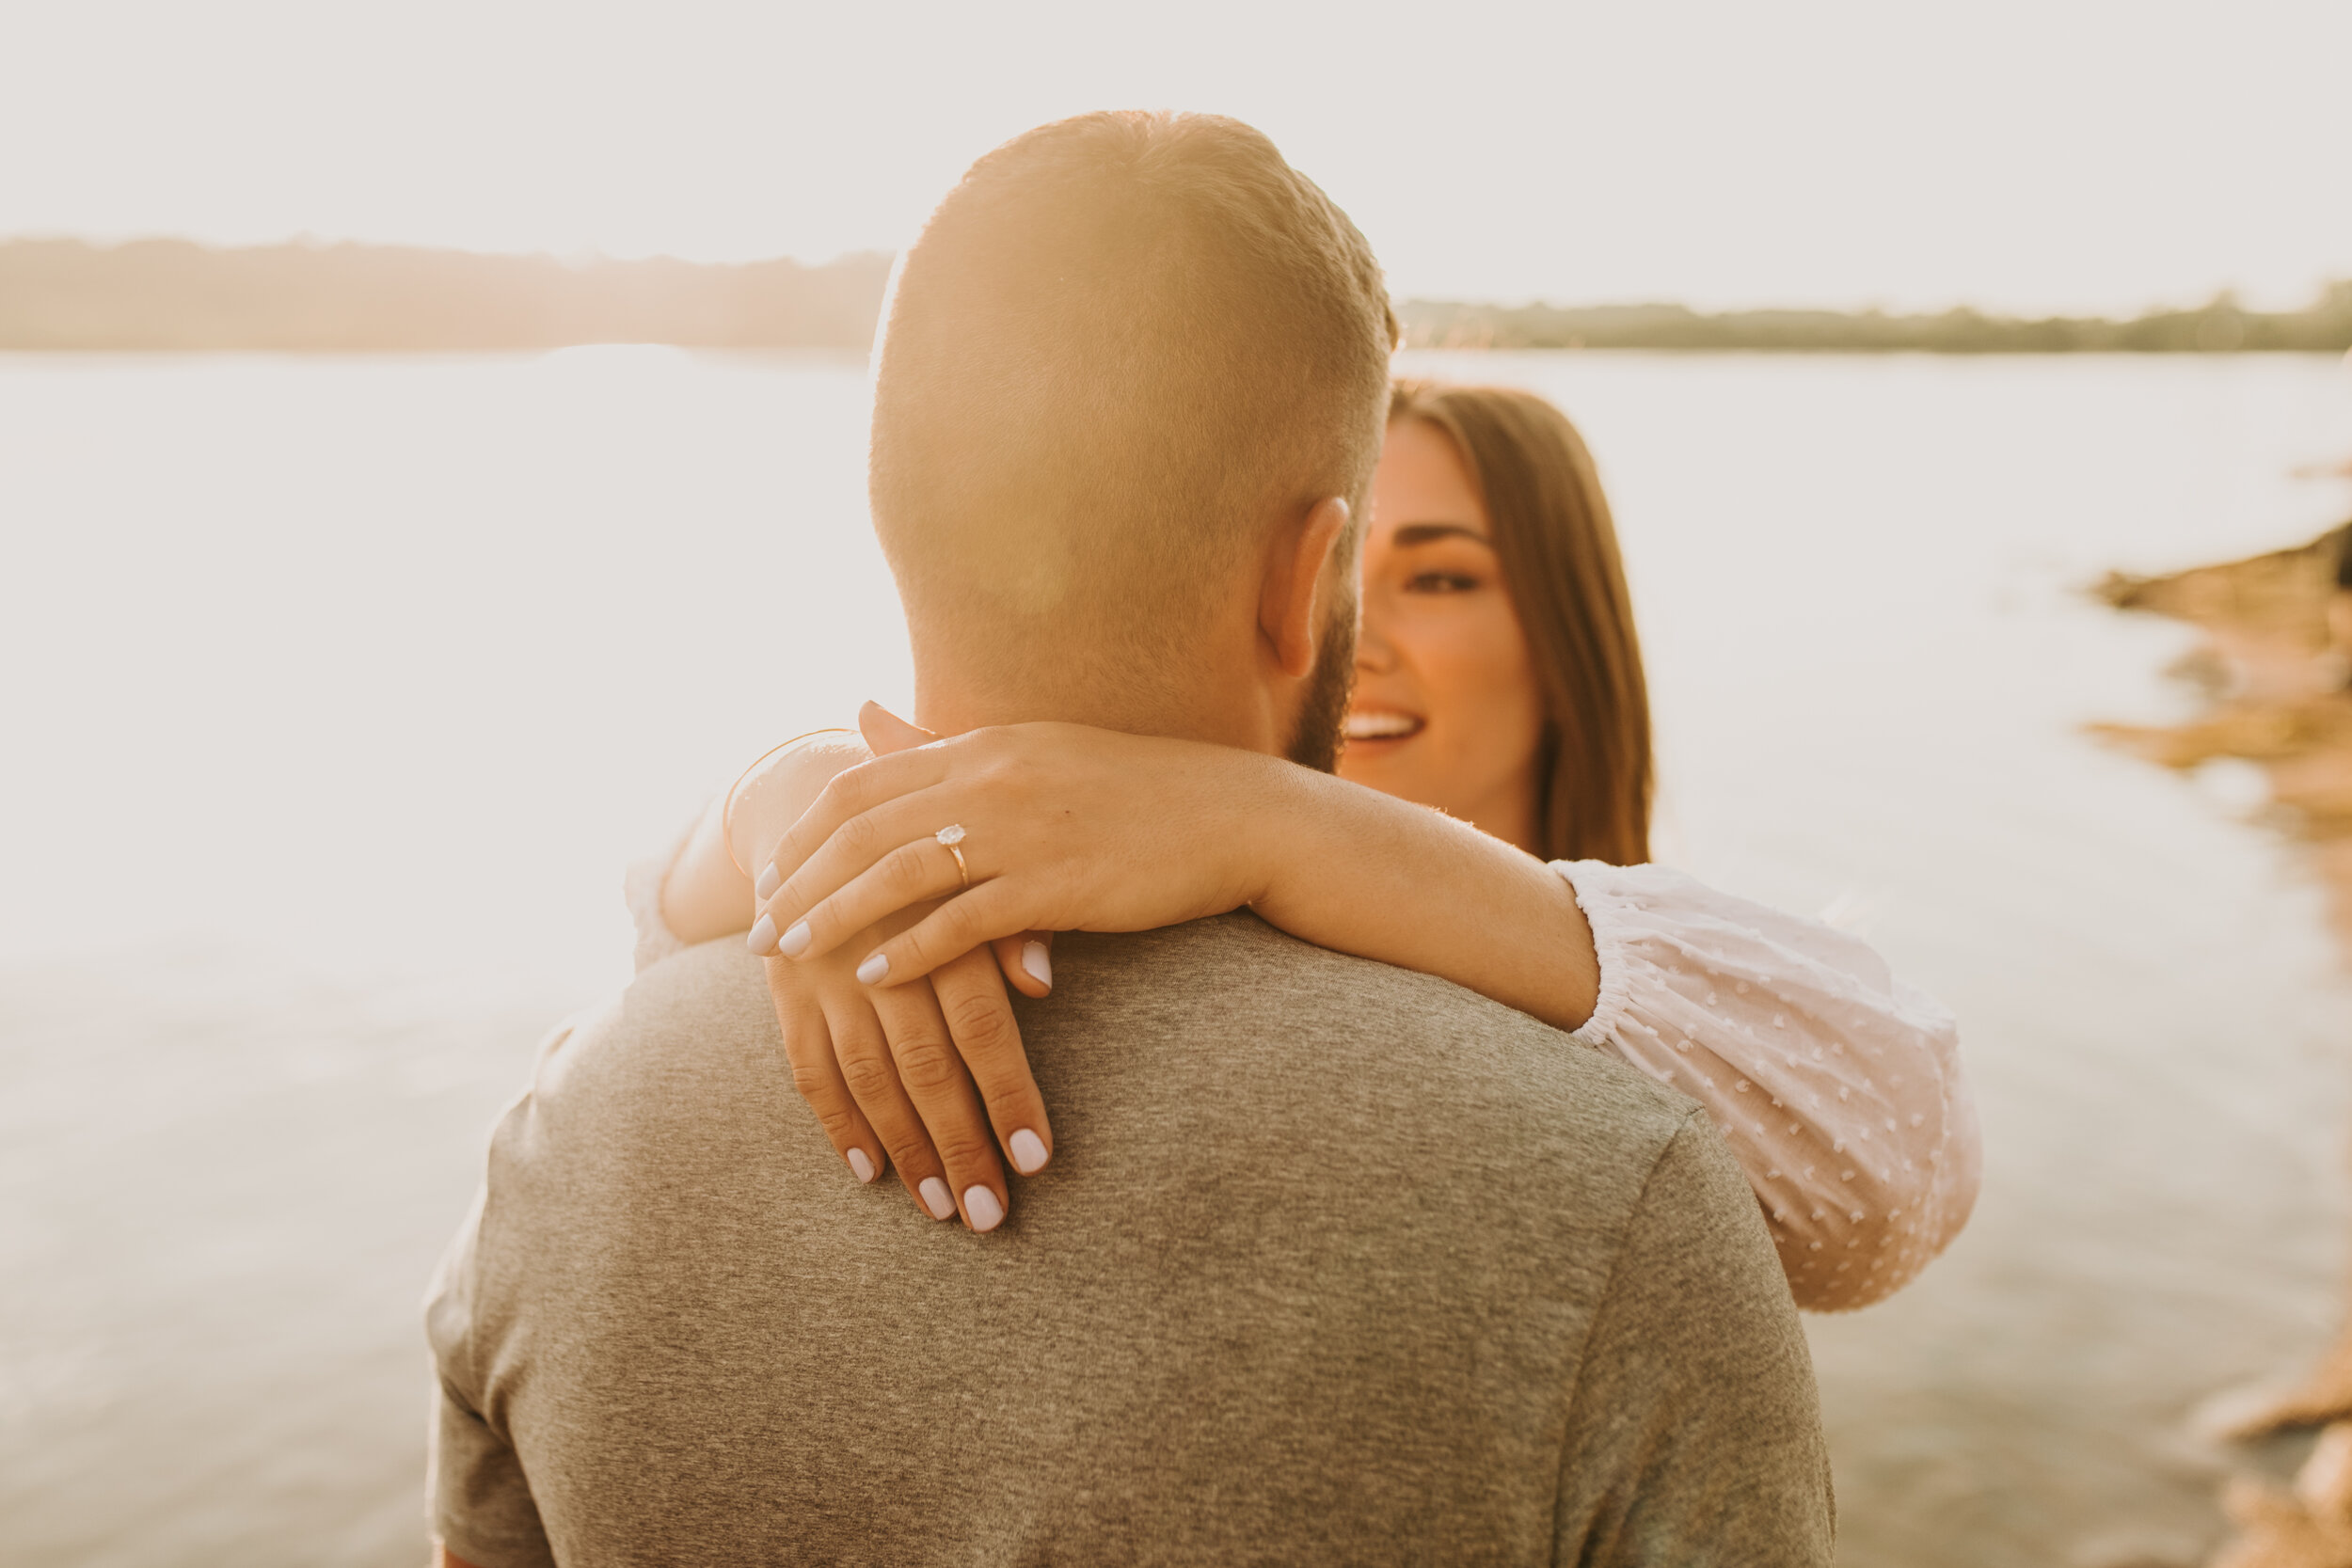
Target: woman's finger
<point x="936" y="1080"/>
<point x="854" y="848"/>
<point x="1028" y="961"/>
<point x="987" y="1037"/>
<point x="862" y="1049"/>
<point x="816" y="1072"/>
<point x="849" y="794"/>
<point x="885" y="732"/>
<point x="975" y="919"/>
<point x="913" y="873"/>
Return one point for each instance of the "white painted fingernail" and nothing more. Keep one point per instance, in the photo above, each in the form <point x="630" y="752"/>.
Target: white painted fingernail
<point x="980" y="1204"/>
<point x="1028" y="1150"/>
<point x="795" y="940"/>
<point x="870" y="973"/>
<point x="763" y="938"/>
<point x="1038" y="961"/>
<point x="937" y="1198"/>
<point x="860" y="1165"/>
<point x="769" y="882"/>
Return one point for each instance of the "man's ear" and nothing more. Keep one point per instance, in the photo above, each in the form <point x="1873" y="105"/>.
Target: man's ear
<point x="1290" y="608"/>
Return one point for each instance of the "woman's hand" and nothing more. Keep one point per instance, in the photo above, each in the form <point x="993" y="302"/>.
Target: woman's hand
<point x="1065" y="828"/>
<point x="892" y="1075"/>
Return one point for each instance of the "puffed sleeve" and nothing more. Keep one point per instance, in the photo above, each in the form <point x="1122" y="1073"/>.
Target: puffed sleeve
<point x="640" y="885"/>
<point x="1837" y="1087"/>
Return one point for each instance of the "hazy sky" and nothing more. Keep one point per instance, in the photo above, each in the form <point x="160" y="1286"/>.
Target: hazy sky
<point x="2029" y="155"/>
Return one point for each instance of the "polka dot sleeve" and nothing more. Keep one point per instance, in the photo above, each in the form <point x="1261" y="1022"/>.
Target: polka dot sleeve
<point x="1837" y="1087"/>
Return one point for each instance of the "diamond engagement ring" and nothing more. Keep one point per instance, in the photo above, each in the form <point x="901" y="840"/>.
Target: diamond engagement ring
<point x="952" y="836"/>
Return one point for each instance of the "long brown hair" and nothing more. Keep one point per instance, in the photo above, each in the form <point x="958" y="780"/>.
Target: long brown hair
<point x="1558" y="551"/>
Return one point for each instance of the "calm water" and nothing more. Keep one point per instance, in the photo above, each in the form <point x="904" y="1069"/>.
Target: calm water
<point x="336" y="693"/>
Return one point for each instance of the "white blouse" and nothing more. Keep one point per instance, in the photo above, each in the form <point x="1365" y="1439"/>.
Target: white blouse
<point x="1837" y="1087"/>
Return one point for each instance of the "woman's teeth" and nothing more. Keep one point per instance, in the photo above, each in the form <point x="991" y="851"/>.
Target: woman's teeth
<point x="1381" y="726"/>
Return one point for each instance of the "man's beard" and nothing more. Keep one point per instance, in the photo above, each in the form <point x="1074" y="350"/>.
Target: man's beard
<point x="1323" y="710"/>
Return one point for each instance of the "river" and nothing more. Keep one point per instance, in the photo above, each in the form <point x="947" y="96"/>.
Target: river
<point x="337" y="690"/>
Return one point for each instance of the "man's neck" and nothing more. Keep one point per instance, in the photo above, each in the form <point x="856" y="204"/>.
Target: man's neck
<point x="1220" y="712"/>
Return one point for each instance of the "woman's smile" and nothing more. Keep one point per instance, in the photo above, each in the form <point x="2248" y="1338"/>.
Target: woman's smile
<point x="1372" y="725"/>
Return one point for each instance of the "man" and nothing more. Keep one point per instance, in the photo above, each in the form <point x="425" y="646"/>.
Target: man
<point x="1441" y="1287"/>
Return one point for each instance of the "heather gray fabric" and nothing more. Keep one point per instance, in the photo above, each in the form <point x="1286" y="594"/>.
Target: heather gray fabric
<point x="1335" y="1264"/>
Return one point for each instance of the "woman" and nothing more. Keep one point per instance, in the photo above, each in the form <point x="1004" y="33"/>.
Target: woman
<point x="1499" y="680"/>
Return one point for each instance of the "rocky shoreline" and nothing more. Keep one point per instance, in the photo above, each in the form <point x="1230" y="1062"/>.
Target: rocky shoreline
<point x="2278" y="689"/>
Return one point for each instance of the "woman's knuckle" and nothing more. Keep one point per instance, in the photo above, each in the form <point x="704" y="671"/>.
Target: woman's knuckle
<point x="927" y="1065"/>
<point x="867" y="1077"/>
<point x="909" y="1150"/>
<point x="913" y="951"/>
<point x="788" y="851"/>
<point x="1002" y="1080"/>
<point x="962" y="1151"/>
<point x="856" y="836"/>
<point x="981" y="1023"/>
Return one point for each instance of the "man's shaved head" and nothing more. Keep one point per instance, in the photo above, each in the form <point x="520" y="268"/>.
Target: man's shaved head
<point x="1126" y="348"/>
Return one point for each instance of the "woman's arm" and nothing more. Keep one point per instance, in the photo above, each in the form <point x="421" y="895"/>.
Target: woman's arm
<point x="1067" y="828"/>
<point x="1839" y="1090"/>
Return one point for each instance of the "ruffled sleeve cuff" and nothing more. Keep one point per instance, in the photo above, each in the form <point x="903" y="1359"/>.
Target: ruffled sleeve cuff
<point x="1605" y="909"/>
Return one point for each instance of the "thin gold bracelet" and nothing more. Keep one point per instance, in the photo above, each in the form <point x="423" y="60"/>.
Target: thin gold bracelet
<point x="727" y="812"/>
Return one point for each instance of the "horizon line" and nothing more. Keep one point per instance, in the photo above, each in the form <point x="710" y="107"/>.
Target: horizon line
<point x="582" y="260"/>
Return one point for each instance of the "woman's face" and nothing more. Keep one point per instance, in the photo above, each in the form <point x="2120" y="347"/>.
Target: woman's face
<point x="1446" y="710"/>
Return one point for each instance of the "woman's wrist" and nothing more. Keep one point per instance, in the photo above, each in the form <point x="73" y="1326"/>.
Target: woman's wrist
<point x="708" y="891"/>
<point x="1282" y="815"/>
<point x="1316" y="845"/>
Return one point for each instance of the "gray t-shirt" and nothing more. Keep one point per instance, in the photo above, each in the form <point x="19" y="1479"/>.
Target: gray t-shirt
<point x="1335" y="1264"/>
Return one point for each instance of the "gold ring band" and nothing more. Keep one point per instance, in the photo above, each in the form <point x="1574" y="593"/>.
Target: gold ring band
<point x="953" y="838"/>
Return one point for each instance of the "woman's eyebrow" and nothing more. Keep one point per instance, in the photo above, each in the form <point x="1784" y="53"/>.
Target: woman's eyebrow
<point x="1423" y="533"/>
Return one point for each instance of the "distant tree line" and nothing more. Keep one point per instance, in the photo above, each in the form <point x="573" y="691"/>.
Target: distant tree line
<point x="174" y="295"/>
<point x="2219" y="327"/>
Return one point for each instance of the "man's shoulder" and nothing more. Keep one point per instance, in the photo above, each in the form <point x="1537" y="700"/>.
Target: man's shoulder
<point x="684" y="1042"/>
<point x="1223" y="1034"/>
<point x="1411" y="1042"/>
<point x="715" y="984"/>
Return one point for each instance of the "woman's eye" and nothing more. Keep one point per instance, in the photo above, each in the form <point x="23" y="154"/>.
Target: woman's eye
<point x="1440" y="582"/>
